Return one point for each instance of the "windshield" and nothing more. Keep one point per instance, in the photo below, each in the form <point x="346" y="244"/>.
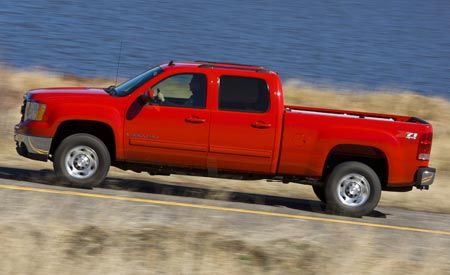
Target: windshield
<point x="129" y="86"/>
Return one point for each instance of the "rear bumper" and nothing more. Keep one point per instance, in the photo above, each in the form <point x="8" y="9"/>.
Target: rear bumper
<point x="424" y="177"/>
<point x="32" y="147"/>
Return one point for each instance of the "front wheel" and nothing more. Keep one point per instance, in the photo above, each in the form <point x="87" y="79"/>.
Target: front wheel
<point x="82" y="160"/>
<point x="352" y="189"/>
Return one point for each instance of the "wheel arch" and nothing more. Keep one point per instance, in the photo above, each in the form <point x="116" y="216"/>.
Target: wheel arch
<point x="99" y="129"/>
<point x="372" y="156"/>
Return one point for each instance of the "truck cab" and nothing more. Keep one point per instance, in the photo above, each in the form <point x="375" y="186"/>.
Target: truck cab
<point x="200" y="114"/>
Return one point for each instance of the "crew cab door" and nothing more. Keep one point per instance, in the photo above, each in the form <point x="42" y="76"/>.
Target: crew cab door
<point x="174" y="129"/>
<point x="243" y="126"/>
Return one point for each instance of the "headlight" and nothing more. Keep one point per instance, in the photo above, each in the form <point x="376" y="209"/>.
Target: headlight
<point x="34" y="111"/>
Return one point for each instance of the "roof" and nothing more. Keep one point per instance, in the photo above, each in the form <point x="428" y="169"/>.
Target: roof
<point x="221" y="65"/>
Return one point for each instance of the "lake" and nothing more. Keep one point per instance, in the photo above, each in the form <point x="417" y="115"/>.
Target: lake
<point x="368" y="45"/>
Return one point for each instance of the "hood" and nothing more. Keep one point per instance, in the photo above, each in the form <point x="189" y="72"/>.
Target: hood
<point x="65" y="91"/>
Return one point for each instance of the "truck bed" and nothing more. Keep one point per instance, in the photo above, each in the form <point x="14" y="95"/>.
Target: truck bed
<point x="310" y="134"/>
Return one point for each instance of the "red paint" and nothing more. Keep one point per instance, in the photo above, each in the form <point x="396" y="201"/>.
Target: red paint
<point x="285" y="140"/>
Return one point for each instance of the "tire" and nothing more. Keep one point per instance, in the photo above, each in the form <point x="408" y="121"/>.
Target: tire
<point x="319" y="190"/>
<point x="352" y="189"/>
<point x="82" y="160"/>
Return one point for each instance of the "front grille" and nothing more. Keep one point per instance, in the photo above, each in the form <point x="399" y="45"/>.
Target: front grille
<point x="22" y="110"/>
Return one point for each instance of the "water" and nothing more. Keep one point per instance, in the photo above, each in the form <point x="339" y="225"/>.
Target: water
<point x="358" y="44"/>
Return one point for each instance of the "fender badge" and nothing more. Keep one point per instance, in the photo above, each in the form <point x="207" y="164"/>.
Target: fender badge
<point x="410" y="135"/>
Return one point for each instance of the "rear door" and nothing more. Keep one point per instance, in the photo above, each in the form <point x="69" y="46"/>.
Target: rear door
<point x="243" y="126"/>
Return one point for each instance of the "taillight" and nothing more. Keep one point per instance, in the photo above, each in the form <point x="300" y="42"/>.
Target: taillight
<point x="425" y="146"/>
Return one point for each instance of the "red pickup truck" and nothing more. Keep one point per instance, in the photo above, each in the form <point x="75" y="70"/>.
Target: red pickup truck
<point x="224" y="120"/>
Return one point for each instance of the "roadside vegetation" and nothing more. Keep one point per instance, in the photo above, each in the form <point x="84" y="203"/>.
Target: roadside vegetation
<point x="155" y="249"/>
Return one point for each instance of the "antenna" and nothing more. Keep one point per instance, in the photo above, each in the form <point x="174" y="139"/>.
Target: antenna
<point x="118" y="62"/>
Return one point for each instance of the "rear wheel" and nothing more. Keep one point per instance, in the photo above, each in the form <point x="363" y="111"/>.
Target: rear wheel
<point x="82" y="160"/>
<point x="352" y="189"/>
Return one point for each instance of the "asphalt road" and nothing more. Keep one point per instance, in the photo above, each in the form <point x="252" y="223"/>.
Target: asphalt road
<point x="246" y="207"/>
<point x="30" y="198"/>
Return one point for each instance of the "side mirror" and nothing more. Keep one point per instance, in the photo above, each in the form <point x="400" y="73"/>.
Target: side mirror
<point x="147" y="97"/>
<point x="150" y="94"/>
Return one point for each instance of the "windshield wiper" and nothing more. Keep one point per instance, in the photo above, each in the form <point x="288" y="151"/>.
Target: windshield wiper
<point x="111" y="90"/>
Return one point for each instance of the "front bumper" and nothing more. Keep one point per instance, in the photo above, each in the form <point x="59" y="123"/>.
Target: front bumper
<point x="425" y="177"/>
<point x="32" y="147"/>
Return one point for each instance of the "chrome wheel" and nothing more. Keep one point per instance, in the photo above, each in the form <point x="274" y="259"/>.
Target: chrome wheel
<point x="353" y="190"/>
<point x="81" y="162"/>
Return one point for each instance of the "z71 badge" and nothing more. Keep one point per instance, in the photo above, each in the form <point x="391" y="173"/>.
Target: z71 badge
<point x="407" y="135"/>
<point x="411" y="135"/>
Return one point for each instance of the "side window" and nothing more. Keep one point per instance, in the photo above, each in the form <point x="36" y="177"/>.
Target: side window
<point x="182" y="90"/>
<point x="243" y="94"/>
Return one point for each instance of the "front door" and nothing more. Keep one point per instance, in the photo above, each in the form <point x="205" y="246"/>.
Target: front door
<point x="174" y="129"/>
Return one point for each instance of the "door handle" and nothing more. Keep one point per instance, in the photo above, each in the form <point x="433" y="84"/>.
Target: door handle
<point x="195" y="120"/>
<point x="261" y="125"/>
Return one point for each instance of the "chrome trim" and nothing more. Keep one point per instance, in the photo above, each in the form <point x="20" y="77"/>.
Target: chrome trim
<point x="425" y="176"/>
<point x="34" y="145"/>
<point x="81" y="162"/>
<point x="353" y="190"/>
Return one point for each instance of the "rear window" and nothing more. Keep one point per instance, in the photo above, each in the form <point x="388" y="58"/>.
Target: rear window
<point x="243" y="94"/>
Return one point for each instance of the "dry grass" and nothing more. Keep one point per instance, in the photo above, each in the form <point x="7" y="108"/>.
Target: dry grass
<point x="49" y="235"/>
<point x="156" y="249"/>
<point x="151" y="250"/>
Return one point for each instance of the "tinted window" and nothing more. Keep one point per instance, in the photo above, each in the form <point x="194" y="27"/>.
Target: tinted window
<point x="243" y="94"/>
<point x="183" y="90"/>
